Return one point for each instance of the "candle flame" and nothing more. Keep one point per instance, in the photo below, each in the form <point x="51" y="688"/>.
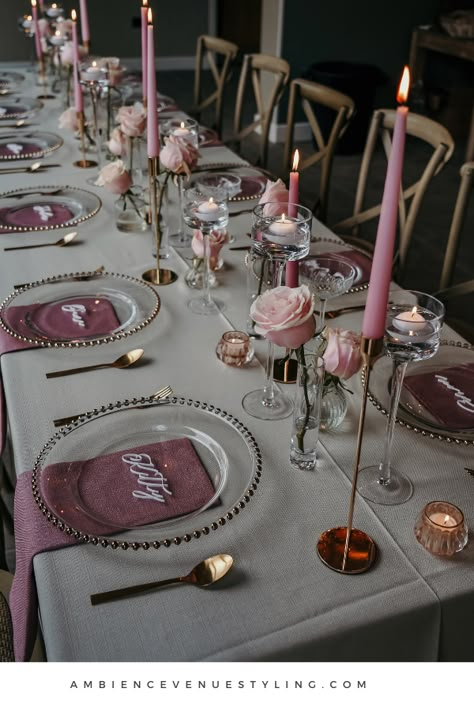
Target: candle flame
<point x="182" y="124"/>
<point x="414" y="311"/>
<point x="57" y="33"/>
<point x="211" y="199"/>
<point x="404" y="87"/>
<point x="150" y="16"/>
<point x="446" y="520"/>
<point x="94" y="64"/>
<point x="33" y="3"/>
<point x="73" y="15"/>
<point x="145" y="3"/>
<point x="282" y="218"/>
<point x="54" y="5"/>
<point x="296" y="159"/>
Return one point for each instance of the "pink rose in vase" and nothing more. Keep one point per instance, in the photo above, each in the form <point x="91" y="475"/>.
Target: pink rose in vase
<point x="132" y="119"/>
<point x="342" y="357"/>
<point x="178" y="156"/>
<point x="68" y="120"/>
<point x="115" y="178"/>
<point x="117" y="144"/>
<point x="285" y="316"/>
<point x="217" y="239"/>
<point x="275" y="193"/>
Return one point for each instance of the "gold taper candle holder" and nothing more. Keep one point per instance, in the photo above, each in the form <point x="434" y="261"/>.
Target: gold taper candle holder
<point x="158" y="276"/>
<point x="84" y="162"/>
<point x="87" y="46"/>
<point x="346" y="549"/>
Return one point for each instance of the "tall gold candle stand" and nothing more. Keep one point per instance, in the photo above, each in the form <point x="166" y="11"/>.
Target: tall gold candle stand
<point x="84" y="162"/>
<point x="346" y="549"/>
<point x="160" y="277"/>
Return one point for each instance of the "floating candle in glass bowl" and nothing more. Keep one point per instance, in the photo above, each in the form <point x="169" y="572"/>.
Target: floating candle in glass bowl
<point x="208" y="210"/>
<point x="282" y="226"/>
<point x="410" y="321"/>
<point x="441" y="529"/>
<point x="58" y="39"/>
<point x="54" y="10"/>
<point x="181" y="130"/>
<point x="91" y="73"/>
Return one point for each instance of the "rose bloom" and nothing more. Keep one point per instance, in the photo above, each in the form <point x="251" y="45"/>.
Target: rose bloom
<point x="277" y="194"/>
<point x="115" y="178"/>
<point x="64" y="27"/>
<point x="117" y="144"/>
<point x="178" y="156"/>
<point x="217" y="239"/>
<point x="43" y="26"/>
<point x="285" y="315"/>
<point x="68" y="119"/>
<point x="342" y="355"/>
<point x="67" y="53"/>
<point x="132" y="119"/>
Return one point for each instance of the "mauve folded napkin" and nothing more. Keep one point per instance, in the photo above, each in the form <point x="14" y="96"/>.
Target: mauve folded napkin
<point x="42" y="214"/>
<point x="447" y="394"/>
<point x="18" y="148"/>
<point x="129" y="488"/>
<point x="69" y="319"/>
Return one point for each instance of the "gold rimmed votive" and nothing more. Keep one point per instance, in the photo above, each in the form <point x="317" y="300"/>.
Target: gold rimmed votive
<point x="441" y="529"/>
<point x="235" y="348"/>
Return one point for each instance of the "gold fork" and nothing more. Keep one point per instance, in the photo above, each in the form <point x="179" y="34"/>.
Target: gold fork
<point x="86" y="277"/>
<point x="161" y="394"/>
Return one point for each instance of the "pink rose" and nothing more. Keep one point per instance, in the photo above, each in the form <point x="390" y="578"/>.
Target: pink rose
<point x="285" y="316"/>
<point x="342" y="355"/>
<point x="64" y="28"/>
<point x="217" y="239"/>
<point x="277" y="194"/>
<point x="117" y="144"/>
<point x="132" y="119"/>
<point x="178" y="156"/>
<point x="67" y="53"/>
<point x="43" y="26"/>
<point x="68" y="119"/>
<point x="115" y="178"/>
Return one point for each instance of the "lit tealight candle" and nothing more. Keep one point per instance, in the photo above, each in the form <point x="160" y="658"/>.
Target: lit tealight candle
<point x="442" y="519"/>
<point x="92" y="73"/>
<point x="410" y="321"/>
<point x="54" y="10"/>
<point x="181" y="130"/>
<point x="441" y="528"/>
<point x="208" y="210"/>
<point x="27" y="22"/>
<point x="57" y="38"/>
<point x="282" y="226"/>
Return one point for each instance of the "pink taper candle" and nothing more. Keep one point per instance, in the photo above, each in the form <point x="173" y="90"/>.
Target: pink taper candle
<point x="34" y="14"/>
<point x="85" y="33"/>
<point x="144" y="10"/>
<point x="78" y="98"/>
<point x="152" y="112"/>
<point x="377" y="297"/>
<point x="75" y="41"/>
<point x="292" y="270"/>
<point x="41" y="4"/>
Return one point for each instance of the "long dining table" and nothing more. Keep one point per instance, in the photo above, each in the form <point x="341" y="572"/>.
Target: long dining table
<point x="279" y="602"/>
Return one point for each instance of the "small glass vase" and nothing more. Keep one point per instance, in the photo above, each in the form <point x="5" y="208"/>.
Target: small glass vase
<point x="195" y="277"/>
<point x="130" y="214"/>
<point x="306" y="414"/>
<point x="333" y="404"/>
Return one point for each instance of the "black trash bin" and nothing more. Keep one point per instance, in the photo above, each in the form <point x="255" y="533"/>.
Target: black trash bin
<point x="360" y="82"/>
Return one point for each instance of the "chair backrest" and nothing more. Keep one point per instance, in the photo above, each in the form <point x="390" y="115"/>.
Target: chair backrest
<point x="420" y="127"/>
<point x="459" y="213"/>
<point x="220" y="55"/>
<point x="339" y="110"/>
<point x="260" y="68"/>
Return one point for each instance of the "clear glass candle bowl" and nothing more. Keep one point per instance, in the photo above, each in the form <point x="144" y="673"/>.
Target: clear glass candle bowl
<point x="280" y="235"/>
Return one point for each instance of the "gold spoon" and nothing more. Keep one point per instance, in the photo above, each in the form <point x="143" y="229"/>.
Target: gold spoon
<point x="124" y="361"/>
<point x="203" y="574"/>
<point x="17" y="124"/>
<point x="67" y="239"/>
<point x="30" y="169"/>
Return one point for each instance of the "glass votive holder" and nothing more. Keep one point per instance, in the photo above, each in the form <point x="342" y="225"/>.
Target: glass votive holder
<point x="441" y="529"/>
<point x="235" y="348"/>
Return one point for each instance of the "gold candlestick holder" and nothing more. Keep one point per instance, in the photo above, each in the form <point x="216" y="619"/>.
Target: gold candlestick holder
<point x="84" y="162"/>
<point x="87" y="46"/>
<point x="158" y="276"/>
<point x="345" y="549"/>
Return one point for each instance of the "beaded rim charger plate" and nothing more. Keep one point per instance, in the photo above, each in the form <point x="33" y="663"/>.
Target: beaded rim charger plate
<point x="134" y="303"/>
<point x="18" y="108"/>
<point x="225" y="447"/>
<point x="29" y="145"/>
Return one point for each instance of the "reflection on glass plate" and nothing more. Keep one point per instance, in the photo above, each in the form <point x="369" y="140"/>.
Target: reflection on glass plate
<point x="437" y="398"/>
<point x="18" y="108"/>
<point x="46" y="207"/>
<point x="357" y="258"/>
<point x="20" y="146"/>
<point x="8" y="78"/>
<point x="81" y="309"/>
<point x="208" y="137"/>
<point x="252" y="182"/>
<point x="134" y="448"/>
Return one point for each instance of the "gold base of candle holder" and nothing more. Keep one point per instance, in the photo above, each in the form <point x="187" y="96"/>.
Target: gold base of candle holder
<point x="45" y="97"/>
<point x="346" y="549"/>
<point x="160" y="277"/>
<point x="84" y="163"/>
<point x="360" y="556"/>
<point x="285" y="370"/>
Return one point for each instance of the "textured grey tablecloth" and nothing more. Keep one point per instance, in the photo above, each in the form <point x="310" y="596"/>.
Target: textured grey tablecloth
<point x="280" y="602"/>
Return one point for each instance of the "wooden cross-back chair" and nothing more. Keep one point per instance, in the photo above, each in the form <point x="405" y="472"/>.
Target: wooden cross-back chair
<point x="220" y="55"/>
<point x="411" y="197"/>
<point x="259" y="67"/>
<point x="338" y="109"/>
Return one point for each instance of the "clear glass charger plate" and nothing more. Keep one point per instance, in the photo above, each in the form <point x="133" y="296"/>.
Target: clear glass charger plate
<point x="9" y="78"/>
<point x="411" y="412"/>
<point x="358" y="258"/>
<point x="252" y="181"/>
<point x="18" y="108"/>
<point x="46" y="207"/>
<point x="85" y="509"/>
<point x="21" y="146"/>
<point x="118" y="305"/>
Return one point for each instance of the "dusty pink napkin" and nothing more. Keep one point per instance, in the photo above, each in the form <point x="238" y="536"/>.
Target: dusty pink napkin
<point x="208" y="138"/>
<point x="98" y="318"/>
<point x="447" y="394"/>
<point x="106" y="485"/>
<point x="26" y="149"/>
<point x="41" y="214"/>
<point x="362" y="263"/>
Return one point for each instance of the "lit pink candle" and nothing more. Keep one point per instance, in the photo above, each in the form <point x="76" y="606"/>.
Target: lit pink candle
<point x="292" y="270"/>
<point x="41" y="5"/>
<point x="34" y="13"/>
<point x="85" y="33"/>
<point x="75" y="41"/>
<point x="78" y="98"/>
<point x="144" y="10"/>
<point x="380" y="275"/>
<point x="152" y="112"/>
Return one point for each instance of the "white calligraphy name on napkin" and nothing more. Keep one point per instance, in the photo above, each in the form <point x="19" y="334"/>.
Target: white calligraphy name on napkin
<point x="75" y="310"/>
<point x="3" y="111"/>
<point x="15" y="148"/>
<point x="44" y="212"/>
<point x="153" y="481"/>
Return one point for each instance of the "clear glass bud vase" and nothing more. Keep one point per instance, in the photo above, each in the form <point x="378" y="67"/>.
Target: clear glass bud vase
<point x="333" y="405"/>
<point x="306" y="414"/>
